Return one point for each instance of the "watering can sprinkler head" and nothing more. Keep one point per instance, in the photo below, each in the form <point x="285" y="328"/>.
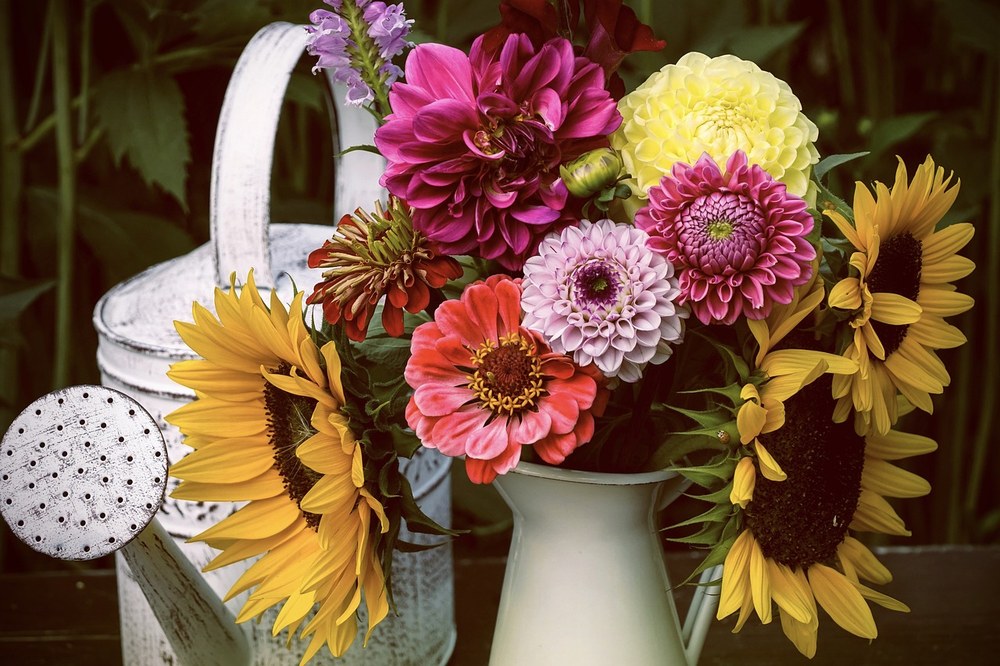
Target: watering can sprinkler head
<point x="84" y="471"/>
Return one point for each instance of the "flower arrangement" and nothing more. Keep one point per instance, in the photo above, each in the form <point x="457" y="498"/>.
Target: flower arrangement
<point x="559" y="267"/>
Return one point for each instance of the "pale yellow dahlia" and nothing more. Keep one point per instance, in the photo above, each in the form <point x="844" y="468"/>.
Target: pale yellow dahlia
<point x="715" y="106"/>
<point x="794" y="547"/>
<point x="900" y="295"/>
<point x="267" y="429"/>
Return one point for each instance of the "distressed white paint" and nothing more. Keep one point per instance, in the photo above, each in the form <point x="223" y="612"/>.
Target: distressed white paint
<point x="84" y="470"/>
<point x="138" y="343"/>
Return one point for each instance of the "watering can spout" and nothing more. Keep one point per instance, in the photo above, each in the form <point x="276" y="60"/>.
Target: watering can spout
<point x="84" y="472"/>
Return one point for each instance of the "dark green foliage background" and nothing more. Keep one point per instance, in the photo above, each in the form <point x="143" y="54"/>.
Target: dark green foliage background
<point x="146" y="80"/>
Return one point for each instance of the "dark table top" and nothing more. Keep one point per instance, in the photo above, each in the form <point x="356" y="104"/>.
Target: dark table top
<point x="71" y="618"/>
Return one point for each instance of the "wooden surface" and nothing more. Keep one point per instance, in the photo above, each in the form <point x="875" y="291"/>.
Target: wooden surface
<point x="954" y="593"/>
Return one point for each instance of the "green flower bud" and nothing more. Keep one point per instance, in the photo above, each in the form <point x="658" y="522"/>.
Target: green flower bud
<point x="591" y="172"/>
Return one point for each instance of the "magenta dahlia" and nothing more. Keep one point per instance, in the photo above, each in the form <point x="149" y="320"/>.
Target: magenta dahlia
<point x="737" y="239"/>
<point x="475" y="141"/>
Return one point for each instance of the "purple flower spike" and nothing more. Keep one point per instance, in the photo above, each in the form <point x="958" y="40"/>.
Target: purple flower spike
<point x="737" y="239"/>
<point x="389" y="27"/>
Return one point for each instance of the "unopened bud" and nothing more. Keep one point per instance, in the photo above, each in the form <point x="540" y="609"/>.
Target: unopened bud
<point x="591" y="172"/>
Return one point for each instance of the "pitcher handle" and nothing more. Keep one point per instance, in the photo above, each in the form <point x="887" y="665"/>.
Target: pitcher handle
<point x="239" y="209"/>
<point x="699" y="615"/>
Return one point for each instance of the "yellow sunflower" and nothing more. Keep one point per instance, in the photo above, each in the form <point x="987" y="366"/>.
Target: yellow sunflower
<point x="267" y="428"/>
<point x="794" y="547"/>
<point x="901" y="294"/>
<point x="786" y="372"/>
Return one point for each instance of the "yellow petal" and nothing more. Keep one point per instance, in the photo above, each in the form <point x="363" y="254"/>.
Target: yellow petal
<point x="845" y="227"/>
<point x="943" y="302"/>
<point x="264" y="486"/>
<point x="787" y="592"/>
<point x="769" y="467"/>
<point x="895" y="445"/>
<point x="760" y="584"/>
<point x="842" y="601"/>
<point x="331" y="494"/>
<point x="883" y="600"/>
<point x="863" y="561"/>
<point x="846" y="294"/>
<point x="750" y="419"/>
<point x="219" y="418"/>
<point x="890" y="481"/>
<point x="947" y="270"/>
<point x="945" y="243"/>
<point x="257" y="520"/>
<point x="735" y="575"/>
<point x="894" y="309"/>
<point x="226" y="461"/>
<point x="801" y="634"/>
<point x="744" y="479"/>
<point x="323" y="454"/>
<point x="874" y="514"/>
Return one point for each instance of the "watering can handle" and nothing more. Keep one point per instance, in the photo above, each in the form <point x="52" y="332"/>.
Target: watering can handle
<point x="699" y="615"/>
<point x="244" y="150"/>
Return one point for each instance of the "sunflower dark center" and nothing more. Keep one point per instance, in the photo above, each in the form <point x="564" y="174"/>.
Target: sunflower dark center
<point x="896" y="271"/>
<point x="800" y="521"/>
<point x="288" y="426"/>
<point x="595" y="284"/>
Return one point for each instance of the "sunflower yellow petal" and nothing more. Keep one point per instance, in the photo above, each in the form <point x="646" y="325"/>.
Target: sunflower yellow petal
<point x="947" y="270"/>
<point x="219" y="418"/>
<point x="735" y="575"/>
<point x="257" y="520"/>
<point x="264" y="486"/>
<point x="874" y="514"/>
<point x="943" y="302"/>
<point x="324" y="455"/>
<point x="846" y="294"/>
<point x="227" y="461"/>
<point x="883" y="600"/>
<point x="888" y="480"/>
<point x="330" y="494"/>
<point x="945" y="243"/>
<point x="914" y="374"/>
<point x="895" y="444"/>
<point x="801" y="634"/>
<point x="788" y="593"/>
<point x="744" y="479"/>
<point x="749" y="420"/>
<point x="769" y="467"/>
<point x="863" y="561"/>
<point x="242" y="549"/>
<point x="846" y="228"/>
<point x="894" y="309"/>
<point x="842" y="601"/>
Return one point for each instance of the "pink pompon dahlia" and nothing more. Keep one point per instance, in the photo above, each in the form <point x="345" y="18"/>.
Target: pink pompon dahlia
<point x="475" y="141"/>
<point x="597" y="292"/>
<point x="484" y="386"/>
<point x="737" y="239"/>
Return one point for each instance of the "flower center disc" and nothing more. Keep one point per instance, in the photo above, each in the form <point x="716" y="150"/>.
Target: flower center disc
<point x="595" y="284"/>
<point x="896" y="271"/>
<point x="508" y="378"/>
<point x="800" y="521"/>
<point x="719" y="229"/>
<point x="288" y="426"/>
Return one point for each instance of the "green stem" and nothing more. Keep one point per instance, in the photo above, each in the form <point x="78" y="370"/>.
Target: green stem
<point x="11" y="192"/>
<point x="67" y="192"/>
<point x="870" y="65"/>
<point x="842" y="52"/>
<point x="41" y="68"/>
<point x="85" y="38"/>
<point x="984" y="432"/>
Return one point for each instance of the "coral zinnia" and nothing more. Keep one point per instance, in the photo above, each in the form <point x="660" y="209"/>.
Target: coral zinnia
<point x="597" y="292"/>
<point x="371" y="256"/>
<point x="484" y="385"/>
<point x="267" y="429"/>
<point x="795" y="548"/>
<point x="901" y="295"/>
<point x="737" y="239"/>
<point x="715" y="106"/>
<point x="474" y="142"/>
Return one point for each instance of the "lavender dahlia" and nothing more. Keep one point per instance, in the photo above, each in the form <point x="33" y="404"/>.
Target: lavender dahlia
<point x="475" y="142"/>
<point x="737" y="239"/>
<point x="597" y="292"/>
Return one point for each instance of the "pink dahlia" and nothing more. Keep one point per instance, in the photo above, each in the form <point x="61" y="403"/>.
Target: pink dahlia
<point x="597" y="292"/>
<point x="737" y="239"/>
<point x="475" y="141"/>
<point x="484" y="386"/>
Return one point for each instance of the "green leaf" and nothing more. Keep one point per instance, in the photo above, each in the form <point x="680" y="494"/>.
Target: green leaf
<point x="720" y="513"/>
<point x="708" y="475"/>
<point x="719" y="496"/>
<point x="17" y="294"/>
<point x="416" y="519"/>
<point x="830" y="162"/>
<point x="761" y="42"/>
<point x="708" y="535"/>
<point x="142" y="114"/>
<point x="715" y="557"/>
<point x="678" y="445"/>
<point x="892" y="131"/>
<point x="410" y="547"/>
<point x="365" y="147"/>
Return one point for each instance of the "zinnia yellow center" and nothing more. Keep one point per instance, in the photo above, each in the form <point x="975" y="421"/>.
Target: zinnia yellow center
<point x="800" y="521"/>
<point x="288" y="426"/>
<point x="508" y="376"/>
<point x="896" y="271"/>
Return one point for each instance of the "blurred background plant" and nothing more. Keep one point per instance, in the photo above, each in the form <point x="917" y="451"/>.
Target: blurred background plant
<point x="108" y="111"/>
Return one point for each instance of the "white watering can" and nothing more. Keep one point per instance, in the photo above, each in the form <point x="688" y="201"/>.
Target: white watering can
<point x="169" y="611"/>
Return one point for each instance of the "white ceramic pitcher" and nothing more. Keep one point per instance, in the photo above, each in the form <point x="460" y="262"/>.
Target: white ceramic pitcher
<point x="585" y="582"/>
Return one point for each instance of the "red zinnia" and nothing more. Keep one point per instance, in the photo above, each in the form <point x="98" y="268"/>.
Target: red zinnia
<point x="485" y="386"/>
